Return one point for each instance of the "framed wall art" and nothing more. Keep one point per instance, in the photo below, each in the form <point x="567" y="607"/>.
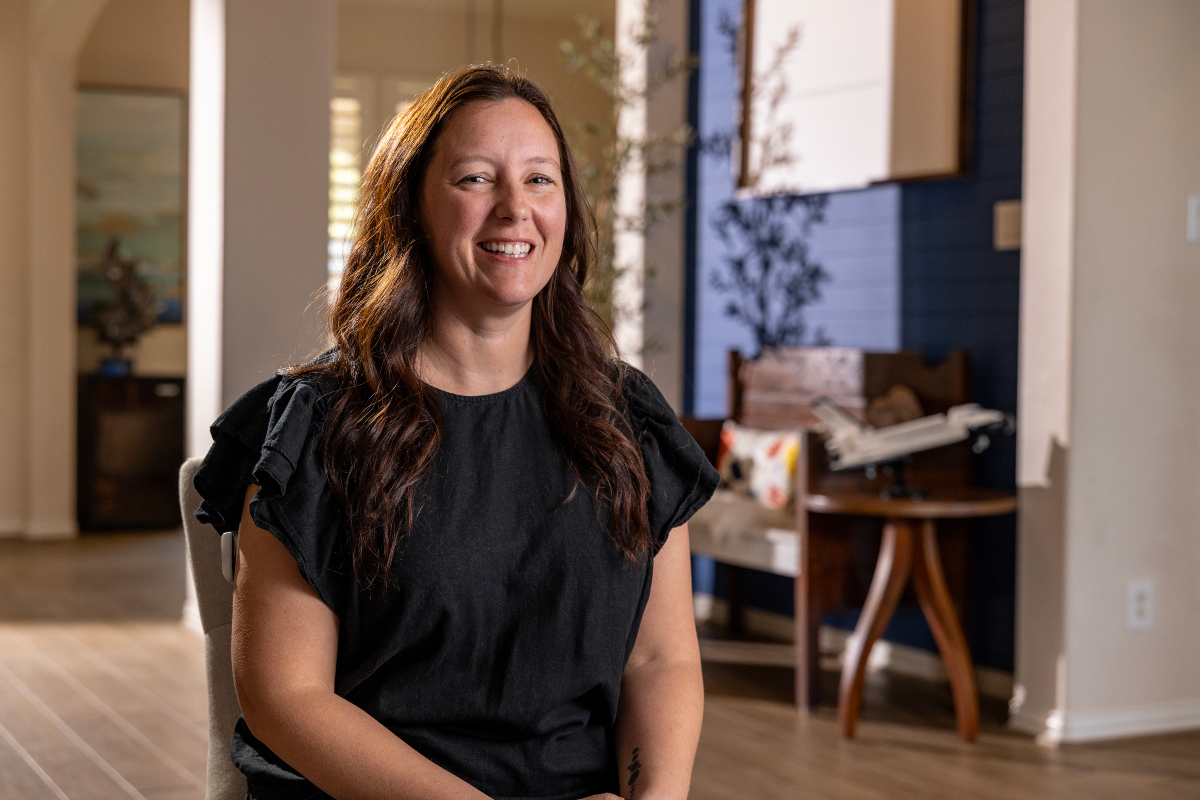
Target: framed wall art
<point x="130" y="197"/>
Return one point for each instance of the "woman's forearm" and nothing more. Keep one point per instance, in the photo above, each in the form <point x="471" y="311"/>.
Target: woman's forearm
<point x="347" y="753"/>
<point x="658" y="727"/>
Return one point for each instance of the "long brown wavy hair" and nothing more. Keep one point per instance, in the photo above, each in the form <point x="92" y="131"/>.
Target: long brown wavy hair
<point x="381" y="431"/>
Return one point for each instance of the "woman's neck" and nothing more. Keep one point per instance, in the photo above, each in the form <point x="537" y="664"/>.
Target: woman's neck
<point x="478" y="355"/>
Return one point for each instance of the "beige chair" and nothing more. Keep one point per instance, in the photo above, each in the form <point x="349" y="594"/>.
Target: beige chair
<point x="215" y="596"/>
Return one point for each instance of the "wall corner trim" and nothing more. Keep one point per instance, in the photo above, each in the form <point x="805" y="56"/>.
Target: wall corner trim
<point x="1116" y="723"/>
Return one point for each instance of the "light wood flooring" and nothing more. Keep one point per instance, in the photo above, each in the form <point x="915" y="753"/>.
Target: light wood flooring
<point x="102" y="696"/>
<point x="101" y="689"/>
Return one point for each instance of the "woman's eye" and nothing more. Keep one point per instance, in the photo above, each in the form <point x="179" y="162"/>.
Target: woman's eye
<point x="473" y="179"/>
<point x="541" y="180"/>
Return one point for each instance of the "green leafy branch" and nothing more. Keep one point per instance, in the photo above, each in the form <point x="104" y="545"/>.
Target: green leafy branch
<point x="604" y="154"/>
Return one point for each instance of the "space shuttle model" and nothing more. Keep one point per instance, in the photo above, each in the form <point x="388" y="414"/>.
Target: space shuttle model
<point x="854" y="444"/>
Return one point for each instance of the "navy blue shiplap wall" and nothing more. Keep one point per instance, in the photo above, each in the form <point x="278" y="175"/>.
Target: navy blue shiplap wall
<point x="858" y="244"/>
<point x="910" y="265"/>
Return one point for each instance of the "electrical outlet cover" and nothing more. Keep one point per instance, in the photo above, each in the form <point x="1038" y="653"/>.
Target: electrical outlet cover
<point x="1140" y="605"/>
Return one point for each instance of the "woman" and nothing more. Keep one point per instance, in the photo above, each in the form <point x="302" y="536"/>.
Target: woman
<point x="449" y="523"/>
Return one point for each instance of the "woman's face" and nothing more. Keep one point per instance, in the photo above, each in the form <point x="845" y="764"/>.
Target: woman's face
<point x="493" y="207"/>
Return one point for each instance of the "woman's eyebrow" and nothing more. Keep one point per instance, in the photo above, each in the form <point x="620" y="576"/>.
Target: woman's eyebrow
<point x="531" y="160"/>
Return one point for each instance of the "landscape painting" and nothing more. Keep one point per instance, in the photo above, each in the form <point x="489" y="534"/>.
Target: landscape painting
<point x="130" y="200"/>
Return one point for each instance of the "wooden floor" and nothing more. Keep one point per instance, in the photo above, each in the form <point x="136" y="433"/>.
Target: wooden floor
<point x="102" y="696"/>
<point x="101" y="689"/>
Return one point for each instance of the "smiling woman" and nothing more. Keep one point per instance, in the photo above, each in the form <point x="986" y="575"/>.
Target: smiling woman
<point x="463" y="562"/>
<point x="495" y="212"/>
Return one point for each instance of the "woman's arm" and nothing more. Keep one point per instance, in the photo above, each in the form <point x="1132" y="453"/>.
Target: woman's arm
<point x="284" y="660"/>
<point x="662" y="693"/>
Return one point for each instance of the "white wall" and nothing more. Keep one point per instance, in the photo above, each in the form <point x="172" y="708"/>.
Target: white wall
<point x="421" y="39"/>
<point x="47" y="47"/>
<point x="138" y="43"/>
<point x="665" y="288"/>
<point x="39" y="48"/>
<point x="1120" y="503"/>
<point x="14" y="92"/>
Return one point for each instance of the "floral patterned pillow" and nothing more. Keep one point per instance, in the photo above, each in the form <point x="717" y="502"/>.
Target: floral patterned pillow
<point x="758" y="463"/>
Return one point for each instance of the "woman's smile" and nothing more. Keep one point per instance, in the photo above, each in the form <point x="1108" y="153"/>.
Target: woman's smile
<point x="507" y="250"/>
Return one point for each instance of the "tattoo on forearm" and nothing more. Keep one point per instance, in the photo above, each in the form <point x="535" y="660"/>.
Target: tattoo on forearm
<point x="635" y="769"/>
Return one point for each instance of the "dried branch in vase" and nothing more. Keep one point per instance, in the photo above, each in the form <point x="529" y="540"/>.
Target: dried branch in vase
<point x="121" y="322"/>
<point x="768" y="274"/>
<point x="605" y="154"/>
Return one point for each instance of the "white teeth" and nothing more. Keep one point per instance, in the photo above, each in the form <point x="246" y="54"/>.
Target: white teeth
<point x="518" y="249"/>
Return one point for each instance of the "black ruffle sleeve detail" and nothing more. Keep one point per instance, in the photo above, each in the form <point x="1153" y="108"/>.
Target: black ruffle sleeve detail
<point x="238" y="437"/>
<point x="270" y="436"/>
<point x="681" y="479"/>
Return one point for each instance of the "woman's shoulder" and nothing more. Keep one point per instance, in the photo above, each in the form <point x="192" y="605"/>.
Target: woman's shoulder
<point x="281" y="408"/>
<point x="643" y="400"/>
<point x="259" y="438"/>
<point x="681" y="479"/>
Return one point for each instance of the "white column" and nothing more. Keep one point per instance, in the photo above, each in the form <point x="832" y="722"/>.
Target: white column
<point x="262" y="74"/>
<point x="629" y="243"/>
<point x="1110" y="377"/>
<point x="1047" y="301"/>
<point x="206" y="230"/>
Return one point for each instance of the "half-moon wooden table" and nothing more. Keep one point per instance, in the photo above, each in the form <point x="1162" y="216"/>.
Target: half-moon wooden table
<point x="910" y="546"/>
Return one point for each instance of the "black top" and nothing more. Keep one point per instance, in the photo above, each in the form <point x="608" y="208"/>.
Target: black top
<point x="497" y="649"/>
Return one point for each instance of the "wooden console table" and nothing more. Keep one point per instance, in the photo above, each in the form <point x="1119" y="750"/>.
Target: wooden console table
<point x="130" y="449"/>
<point x="910" y="546"/>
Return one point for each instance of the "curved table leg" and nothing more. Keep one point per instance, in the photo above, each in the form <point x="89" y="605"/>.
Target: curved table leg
<point x="930" y="584"/>
<point x="891" y="573"/>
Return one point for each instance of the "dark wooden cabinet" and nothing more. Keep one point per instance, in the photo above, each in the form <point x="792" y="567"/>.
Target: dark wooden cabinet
<point x="130" y="448"/>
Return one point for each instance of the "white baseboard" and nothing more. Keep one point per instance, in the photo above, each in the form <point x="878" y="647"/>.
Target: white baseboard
<point x="1045" y="725"/>
<point x="896" y="658"/>
<point x="1052" y="727"/>
<point x="46" y="530"/>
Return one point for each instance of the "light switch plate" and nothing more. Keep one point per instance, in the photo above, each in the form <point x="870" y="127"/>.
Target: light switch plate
<point x="1193" y="230"/>
<point x="1006" y="225"/>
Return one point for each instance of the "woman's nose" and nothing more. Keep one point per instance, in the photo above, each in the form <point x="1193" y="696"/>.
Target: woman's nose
<point x="512" y="204"/>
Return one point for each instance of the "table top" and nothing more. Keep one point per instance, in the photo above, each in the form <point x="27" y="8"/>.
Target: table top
<point x="940" y="504"/>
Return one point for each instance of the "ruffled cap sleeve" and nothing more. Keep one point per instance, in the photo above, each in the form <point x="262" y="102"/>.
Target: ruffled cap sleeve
<point x="681" y="479"/>
<point x="238" y="438"/>
<point x="270" y="436"/>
